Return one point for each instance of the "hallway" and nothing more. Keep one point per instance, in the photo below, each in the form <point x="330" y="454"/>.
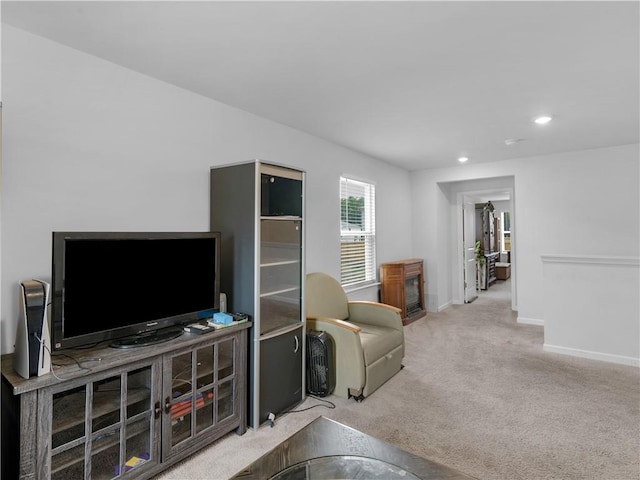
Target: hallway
<point x="499" y="291"/>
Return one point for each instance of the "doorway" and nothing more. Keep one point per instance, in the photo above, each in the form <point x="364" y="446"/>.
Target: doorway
<point x="502" y="251"/>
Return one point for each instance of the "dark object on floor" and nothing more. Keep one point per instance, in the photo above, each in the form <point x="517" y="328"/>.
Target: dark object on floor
<point x="321" y="372"/>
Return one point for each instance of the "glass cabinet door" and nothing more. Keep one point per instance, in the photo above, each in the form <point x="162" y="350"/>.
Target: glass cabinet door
<point x="180" y="400"/>
<point x="226" y="377"/>
<point x="104" y="428"/>
<point x="280" y="272"/>
<point x="68" y="434"/>
<point x="139" y="417"/>
<point x="205" y="388"/>
<point x="202" y="390"/>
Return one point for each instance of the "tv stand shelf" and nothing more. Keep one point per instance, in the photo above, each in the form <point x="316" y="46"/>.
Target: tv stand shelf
<point x="104" y="404"/>
<point x="158" y="404"/>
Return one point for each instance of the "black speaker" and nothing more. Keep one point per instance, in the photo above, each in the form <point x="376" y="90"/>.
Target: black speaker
<point x="321" y="375"/>
<point x="32" y="356"/>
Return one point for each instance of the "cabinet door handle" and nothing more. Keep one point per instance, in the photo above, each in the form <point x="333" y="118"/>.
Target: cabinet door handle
<point x="295" y="350"/>
<point x="157" y="410"/>
<point x="167" y="405"/>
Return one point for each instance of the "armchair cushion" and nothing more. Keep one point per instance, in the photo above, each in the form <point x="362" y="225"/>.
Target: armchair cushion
<point x="378" y="341"/>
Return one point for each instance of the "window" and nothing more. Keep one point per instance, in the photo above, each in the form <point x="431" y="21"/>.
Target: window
<point x="506" y="232"/>
<point x="357" y="232"/>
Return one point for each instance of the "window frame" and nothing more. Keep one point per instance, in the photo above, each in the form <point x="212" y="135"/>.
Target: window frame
<point x="364" y="272"/>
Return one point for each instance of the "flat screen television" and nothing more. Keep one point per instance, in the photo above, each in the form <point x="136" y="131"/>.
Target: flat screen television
<point x="137" y="287"/>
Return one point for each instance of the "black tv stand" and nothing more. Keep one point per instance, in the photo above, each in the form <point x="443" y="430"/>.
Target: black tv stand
<point x="148" y="338"/>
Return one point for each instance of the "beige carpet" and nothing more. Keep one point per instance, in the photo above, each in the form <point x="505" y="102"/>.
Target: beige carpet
<point x="478" y="394"/>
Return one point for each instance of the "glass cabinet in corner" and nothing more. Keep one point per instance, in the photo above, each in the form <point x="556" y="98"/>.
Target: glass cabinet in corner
<point x="259" y="209"/>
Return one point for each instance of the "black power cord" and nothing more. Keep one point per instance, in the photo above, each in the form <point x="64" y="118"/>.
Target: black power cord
<point x="329" y="405"/>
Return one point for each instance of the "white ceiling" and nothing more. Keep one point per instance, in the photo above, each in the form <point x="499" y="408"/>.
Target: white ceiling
<point x="415" y="83"/>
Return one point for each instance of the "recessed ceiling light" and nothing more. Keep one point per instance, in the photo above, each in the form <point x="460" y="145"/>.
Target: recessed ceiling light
<point x="542" y="120"/>
<point x="463" y="159"/>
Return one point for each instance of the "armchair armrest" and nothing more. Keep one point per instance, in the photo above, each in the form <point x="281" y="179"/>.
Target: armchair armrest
<point x="375" y="313"/>
<point x="349" y="355"/>
<point x="338" y="323"/>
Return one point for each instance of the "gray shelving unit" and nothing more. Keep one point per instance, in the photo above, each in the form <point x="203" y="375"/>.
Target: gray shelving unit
<point x="259" y="209"/>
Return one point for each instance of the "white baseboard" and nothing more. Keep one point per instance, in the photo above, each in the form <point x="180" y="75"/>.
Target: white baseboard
<point x="446" y="305"/>
<point x="531" y="321"/>
<point x="604" y="357"/>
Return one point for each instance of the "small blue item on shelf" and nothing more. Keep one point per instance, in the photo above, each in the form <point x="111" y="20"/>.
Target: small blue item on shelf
<point x="222" y="318"/>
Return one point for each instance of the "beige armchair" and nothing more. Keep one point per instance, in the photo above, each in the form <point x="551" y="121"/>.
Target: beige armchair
<point x="368" y="336"/>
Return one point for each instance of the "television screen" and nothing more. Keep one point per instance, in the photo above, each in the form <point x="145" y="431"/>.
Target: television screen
<point x="110" y="285"/>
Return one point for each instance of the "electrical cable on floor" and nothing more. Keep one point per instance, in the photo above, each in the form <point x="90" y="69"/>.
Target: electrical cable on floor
<point x="330" y="405"/>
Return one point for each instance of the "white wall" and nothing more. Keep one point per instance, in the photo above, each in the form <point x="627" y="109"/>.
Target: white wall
<point x="589" y="307"/>
<point x="89" y="145"/>
<point x="580" y="203"/>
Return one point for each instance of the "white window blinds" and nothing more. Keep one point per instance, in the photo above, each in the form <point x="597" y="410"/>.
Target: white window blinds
<point x="357" y="232"/>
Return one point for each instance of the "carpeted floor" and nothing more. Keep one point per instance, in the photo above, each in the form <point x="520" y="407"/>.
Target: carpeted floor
<point x="477" y="394"/>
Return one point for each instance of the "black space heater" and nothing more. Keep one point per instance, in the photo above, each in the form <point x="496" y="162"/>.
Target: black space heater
<point x="321" y="375"/>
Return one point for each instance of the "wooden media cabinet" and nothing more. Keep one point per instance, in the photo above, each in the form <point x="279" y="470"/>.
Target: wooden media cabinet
<point x="109" y="413"/>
